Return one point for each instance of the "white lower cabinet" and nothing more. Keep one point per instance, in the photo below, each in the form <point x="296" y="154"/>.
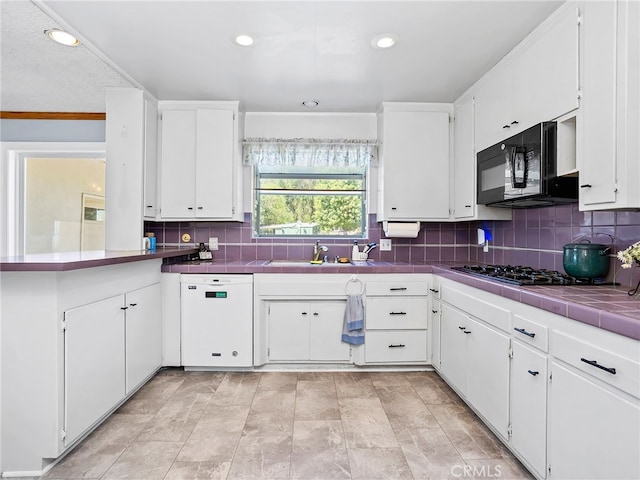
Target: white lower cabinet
<point x="529" y="405"/>
<point x="475" y="359"/>
<point x="111" y="347"/>
<point x="396" y="320"/>
<point x="94" y="377"/>
<point x="594" y="407"/>
<point x="143" y="334"/>
<point x="306" y="331"/>
<point x="567" y="404"/>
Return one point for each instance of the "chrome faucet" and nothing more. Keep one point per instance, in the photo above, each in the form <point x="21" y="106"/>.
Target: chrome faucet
<point x="317" y="249"/>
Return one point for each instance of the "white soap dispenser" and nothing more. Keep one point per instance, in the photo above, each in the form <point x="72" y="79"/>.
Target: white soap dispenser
<point x="355" y="253"/>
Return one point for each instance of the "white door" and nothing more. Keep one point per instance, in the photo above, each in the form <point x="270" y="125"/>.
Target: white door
<point x="143" y="334"/>
<point x="288" y="326"/>
<point x="464" y="161"/>
<point x="325" y="331"/>
<point x="150" y="159"/>
<point x="178" y="164"/>
<point x="529" y="405"/>
<point x="598" y="166"/>
<point x="453" y="346"/>
<point x="214" y="179"/>
<point x="94" y="363"/>
<point x="591" y="429"/>
<point x="416" y="172"/>
<point x="488" y="374"/>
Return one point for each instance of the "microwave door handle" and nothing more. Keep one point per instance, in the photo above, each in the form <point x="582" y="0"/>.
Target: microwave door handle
<point x="518" y="162"/>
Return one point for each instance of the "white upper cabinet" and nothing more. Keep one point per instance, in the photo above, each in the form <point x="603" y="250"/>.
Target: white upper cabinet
<point x="609" y="164"/>
<point x="200" y="161"/>
<point x="464" y="169"/>
<point x="150" y="160"/>
<point x="538" y="82"/>
<point x="414" y="162"/>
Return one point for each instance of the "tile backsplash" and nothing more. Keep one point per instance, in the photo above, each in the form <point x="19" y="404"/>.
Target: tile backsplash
<point x="534" y="237"/>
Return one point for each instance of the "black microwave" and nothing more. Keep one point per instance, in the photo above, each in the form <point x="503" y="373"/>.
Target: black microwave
<point x="521" y="172"/>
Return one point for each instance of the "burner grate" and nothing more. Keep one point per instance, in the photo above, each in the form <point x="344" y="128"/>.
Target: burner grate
<point x="523" y="275"/>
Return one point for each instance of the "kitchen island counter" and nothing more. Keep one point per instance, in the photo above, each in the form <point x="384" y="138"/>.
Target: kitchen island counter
<point x="59" y="262"/>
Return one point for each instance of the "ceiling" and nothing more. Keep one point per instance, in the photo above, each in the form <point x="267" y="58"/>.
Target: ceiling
<point x="304" y="50"/>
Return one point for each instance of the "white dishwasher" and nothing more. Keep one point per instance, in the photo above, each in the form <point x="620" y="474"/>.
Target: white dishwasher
<point x="217" y="320"/>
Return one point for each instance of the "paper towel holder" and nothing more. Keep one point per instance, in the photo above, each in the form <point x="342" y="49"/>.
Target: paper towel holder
<point x="401" y="229"/>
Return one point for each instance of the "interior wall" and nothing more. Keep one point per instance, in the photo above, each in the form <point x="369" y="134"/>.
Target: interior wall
<point x="22" y="130"/>
<point x="53" y="210"/>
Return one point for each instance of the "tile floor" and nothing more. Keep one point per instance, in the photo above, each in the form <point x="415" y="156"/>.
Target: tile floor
<point x="288" y="425"/>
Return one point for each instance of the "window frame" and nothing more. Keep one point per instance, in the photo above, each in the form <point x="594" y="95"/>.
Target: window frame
<point x="257" y="191"/>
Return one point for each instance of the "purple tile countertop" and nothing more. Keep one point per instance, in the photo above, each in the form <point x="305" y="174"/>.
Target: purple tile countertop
<point x="606" y="307"/>
<point x="58" y="262"/>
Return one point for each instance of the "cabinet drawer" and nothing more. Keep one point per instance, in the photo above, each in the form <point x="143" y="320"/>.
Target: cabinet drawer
<point x="620" y="372"/>
<point x="488" y="312"/>
<point x="530" y="332"/>
<point x="397" y="288"/>
<point x="396" y="313"/>
<point x="402" y="346"/>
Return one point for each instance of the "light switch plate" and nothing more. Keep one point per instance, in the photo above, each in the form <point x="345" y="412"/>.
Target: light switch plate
<point x="213" y="243"/>
<point x="385" y="244"/>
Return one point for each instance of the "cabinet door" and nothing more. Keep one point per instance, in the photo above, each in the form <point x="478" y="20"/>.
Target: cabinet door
<point x="143" y="334"/>
<point x="214" y="179"/>
<point x="494" y="109"/>
<point x="598" y="166"/>
<point x="593" y="431"/>
<point x="178" y="164"/>
<point x="529" y="405"/>
<point x="488" y="374"/>
<point x="416" y="171"/>
<point x="453" y="346"/>
<point x="288" y="326"/>
<point x="150" y="159"/>
<point x="546" y="74"/>
<point x="435" y="334"/>
<point x="464" y="161"/>
<point x="94" y="378"/>
<point x="325" y="331"/>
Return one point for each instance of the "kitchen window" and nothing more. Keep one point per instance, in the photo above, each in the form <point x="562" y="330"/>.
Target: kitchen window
<point x="309" y="188"/>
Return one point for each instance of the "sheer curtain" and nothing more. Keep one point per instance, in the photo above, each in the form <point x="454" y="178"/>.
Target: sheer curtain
<point x="310" y="152"/>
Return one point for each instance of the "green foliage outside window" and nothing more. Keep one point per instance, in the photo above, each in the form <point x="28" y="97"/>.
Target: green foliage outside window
<point x="310" y="205"/>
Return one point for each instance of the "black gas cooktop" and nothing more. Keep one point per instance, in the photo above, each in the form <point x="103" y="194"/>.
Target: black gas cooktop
<point x="520" y="275"/>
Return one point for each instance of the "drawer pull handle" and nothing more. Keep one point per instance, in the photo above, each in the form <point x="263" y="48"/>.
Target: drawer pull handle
<point x="397" y="313"/>
<point x="434" y="290"/>
<point x="586" y="185"/>
<point x="594" y="363"/>
<point x="467" y="332"/>
<point x="524" y="332"/>
<point x="434" y="311"/>
<point x="315" y="314"/>
<point x="123" y="308"/>
<point x="462" y="328"/>
<point x="304" y="313"/>
<point x="400" y="345"/>
<point x="396" y="289"/>
<point x="533" y="373"/>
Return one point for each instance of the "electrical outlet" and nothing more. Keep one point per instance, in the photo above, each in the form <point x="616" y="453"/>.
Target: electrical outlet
<point x="213" y="243"/>
<point x="385" y="244"/>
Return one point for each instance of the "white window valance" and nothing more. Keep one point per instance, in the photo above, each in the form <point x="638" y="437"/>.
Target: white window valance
<point x="310" y="152"/>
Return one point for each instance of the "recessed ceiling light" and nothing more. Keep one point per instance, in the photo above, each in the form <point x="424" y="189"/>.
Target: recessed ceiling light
<point x="311" y="103"/>
<point x="63" y="38"/>
<point x="384" y="41"/>
<point x="244" y="40"/>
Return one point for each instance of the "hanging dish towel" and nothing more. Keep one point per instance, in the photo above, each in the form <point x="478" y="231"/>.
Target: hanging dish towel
<point x="353" y="328"/>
